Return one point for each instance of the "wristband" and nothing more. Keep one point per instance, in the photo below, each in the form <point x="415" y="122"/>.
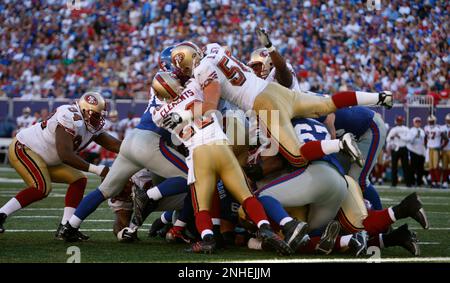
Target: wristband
<point x="96" y="169"/>
<point x="271" y="49"/>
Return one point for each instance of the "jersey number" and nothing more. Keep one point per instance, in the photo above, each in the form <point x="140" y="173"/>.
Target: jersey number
<point x="306" y="133"/>
<point x="233" y="73"/>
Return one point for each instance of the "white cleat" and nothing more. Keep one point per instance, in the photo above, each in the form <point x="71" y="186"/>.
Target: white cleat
<point x="386" y="99"/>
<point x="348" y="145"/>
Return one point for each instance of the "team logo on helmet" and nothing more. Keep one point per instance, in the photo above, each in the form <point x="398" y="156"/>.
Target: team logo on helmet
<point x="91" y="99"/>
<point x="178" y="58"/>
<point x="264" y="53"/>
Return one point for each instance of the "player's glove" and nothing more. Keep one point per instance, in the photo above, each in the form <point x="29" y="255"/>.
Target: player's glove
<point x="172" y="120"/>
<point x="254" y="172"/>
<point x="263" y="37"/>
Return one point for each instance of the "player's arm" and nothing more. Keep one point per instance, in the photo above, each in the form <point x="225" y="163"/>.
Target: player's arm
<point x="64" y="148"/>
<point x="268" y="165"/>
<point x="282" y="73"/>
<point x="108" y="142"/>
<point x="329" y="123"/>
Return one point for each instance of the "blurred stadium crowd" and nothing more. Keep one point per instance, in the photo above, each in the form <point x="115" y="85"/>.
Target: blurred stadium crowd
<point x="48" y="50"/>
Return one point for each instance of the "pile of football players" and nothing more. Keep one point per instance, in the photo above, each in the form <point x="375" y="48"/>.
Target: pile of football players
<point x="231" y="154"/>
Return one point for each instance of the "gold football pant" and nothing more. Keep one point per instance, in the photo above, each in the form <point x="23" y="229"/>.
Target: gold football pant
<point x="446" y="159"/>
<point x="290" y="104"/>
<point x="35" y="172"/>
<point x="433" y="154"/>
<point x="211" y="162"/>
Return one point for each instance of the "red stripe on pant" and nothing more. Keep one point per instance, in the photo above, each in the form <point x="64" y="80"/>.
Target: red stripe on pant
<point x="33" y="169"/>
<point x="194" y="198"/>
<point x="295" y="160"/>
<point x="346" y="224"/>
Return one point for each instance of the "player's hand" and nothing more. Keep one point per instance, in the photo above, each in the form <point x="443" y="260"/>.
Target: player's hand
<point x="263" y="37"/>
<point x="172" y="120"/>
<point x="254" y="172"/>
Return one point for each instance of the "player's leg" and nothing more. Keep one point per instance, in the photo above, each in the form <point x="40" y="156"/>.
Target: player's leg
<point x="353" y="210"/>
<point x="235" y="182"/>
<point x="445" y="168"/>
<point x="370" y="144"/>
<point x="203" y="169"/>
<point x="33" y="170"/>
<point x="77" y="184"/>
<point x="163" y="161"/>
<point x="319" y="184"/>
<point x="434" y="166"/>
<point x="394" y="167"/>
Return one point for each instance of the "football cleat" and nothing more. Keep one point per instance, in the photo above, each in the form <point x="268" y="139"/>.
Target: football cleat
<point x="385" y="99"/>
<point x="156" y="226"/>
<point x="3" y="217"/>
<point x="358" y="243"/>
<point x="403" y="237"/>
<point x="69" y="233"/>
<point x="176" y="235"/>
<point x="127" y="235"/>
<point x="294" y="232"/>
<point x="348" y="145"/>
<point x="272" y="239"/>
<point x="59" y="232"/>
<point x="142" y="205"/>
<point x="205" y="246"/>
<point x="411" y="206"/>
<point x="328" y="238"/>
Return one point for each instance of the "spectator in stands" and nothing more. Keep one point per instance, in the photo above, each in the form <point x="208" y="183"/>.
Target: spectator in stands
<point x="50" y="50"/>
<point x="416" y="147"/>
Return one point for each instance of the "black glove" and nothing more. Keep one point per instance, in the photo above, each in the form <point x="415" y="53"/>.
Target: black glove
<point x="172" y="120"/>
<point x="263" y="37"/>
<point x="254" y="172"/>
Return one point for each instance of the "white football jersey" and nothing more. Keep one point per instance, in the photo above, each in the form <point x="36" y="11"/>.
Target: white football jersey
<point x="238" y="83"/>
<point x="112" y="128"/>
<point x="433" y="134"/>
<point x="446" y="129"/>
<point x="24" y="122"/>
<point x="127" y="125"/>
<point x="201" y="131"/>
<point x="40" y="137"/>
<point x="295" y="85"/>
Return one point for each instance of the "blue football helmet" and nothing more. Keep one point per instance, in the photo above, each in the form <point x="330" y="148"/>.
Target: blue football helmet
<point x="165" y="59"/>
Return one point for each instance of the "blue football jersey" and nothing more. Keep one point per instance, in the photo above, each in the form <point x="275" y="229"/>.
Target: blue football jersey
<point x="312" y="130"/>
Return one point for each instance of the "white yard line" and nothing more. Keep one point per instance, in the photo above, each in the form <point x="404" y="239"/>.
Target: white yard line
<point x="367" y="260"/>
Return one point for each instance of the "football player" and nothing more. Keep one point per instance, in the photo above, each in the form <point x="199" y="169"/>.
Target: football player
<point x="320" y="184"/>
<point x="268" y="64"/>
<point x="210" y="157"/>
<point x="446" y="152"/>
<point x="435" y="140"/>
<point x="370" y="132"/>
<point x="25" y="120"/>
<point x="222" y="75"/>
<point x="47" y="152"/>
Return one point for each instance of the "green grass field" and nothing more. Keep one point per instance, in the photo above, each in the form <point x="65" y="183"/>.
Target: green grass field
<point x="29" y="235"/>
